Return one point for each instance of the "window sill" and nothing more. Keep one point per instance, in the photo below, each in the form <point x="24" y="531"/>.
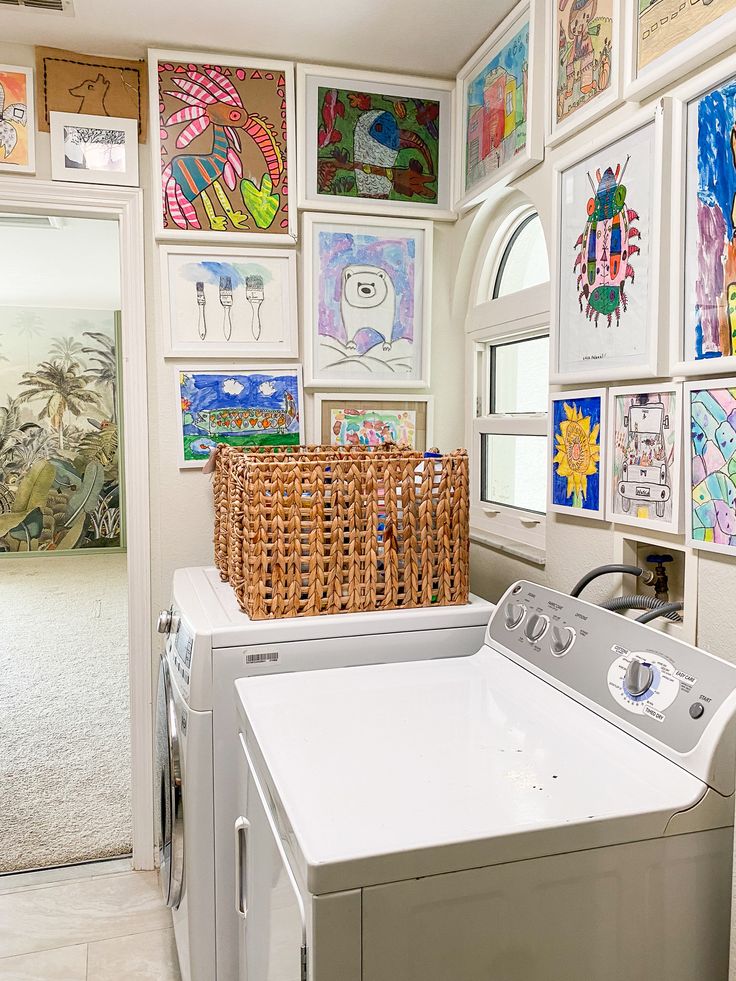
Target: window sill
<point x="518" y="550"/>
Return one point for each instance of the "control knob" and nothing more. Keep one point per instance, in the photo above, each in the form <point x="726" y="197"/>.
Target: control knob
<point x="638" y="677"/>
<point x="561" y="640"/>
<point x="165" y="621"/>
<point x="537" y="627"/>
<point x="513" y="615"/>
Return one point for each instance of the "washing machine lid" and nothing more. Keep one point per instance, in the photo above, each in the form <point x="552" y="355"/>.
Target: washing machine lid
<point x="395" y="771"/>
<point x="211" y="608"/>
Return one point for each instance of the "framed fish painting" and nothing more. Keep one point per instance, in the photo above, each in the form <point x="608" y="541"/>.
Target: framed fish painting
<point x="229" y="302"/>
<point x="577" y="453"/>
<point x="367" y="301"/>
<point x="372" y="420"/>
<point x="221" y="137"/>
<point x="240" y="406"/>
<point x="605" y="256"/>
<point x="374" y="143"/>
<point x="500" y="100"/>
<point x="17" y="120"/>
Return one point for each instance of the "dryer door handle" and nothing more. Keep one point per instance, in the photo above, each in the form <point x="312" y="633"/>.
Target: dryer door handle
<point x="242" y="826"/>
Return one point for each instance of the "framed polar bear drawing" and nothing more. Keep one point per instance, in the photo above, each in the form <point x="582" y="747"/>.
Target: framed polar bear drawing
<point x="367" y="301"/>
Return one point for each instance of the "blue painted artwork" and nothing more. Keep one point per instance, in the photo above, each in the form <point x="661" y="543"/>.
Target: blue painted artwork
<point x="576" y="446"/>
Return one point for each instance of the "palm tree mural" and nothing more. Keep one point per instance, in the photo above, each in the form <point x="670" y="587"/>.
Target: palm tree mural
<point x="29" y="325"/>
<point x="14" y="434"/>
<point x="66" y="350"/>
<point x="63" y="389"/>
<point x="104" y="367"/>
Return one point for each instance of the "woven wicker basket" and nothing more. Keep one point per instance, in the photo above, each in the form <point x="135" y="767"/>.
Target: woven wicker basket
<point x="302" y="531"/>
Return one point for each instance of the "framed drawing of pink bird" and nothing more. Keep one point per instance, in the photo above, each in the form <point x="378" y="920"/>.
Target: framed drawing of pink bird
<point x="221" y="135"/>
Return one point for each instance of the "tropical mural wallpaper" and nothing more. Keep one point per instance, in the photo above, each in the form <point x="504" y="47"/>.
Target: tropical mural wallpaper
<point x="60" y="470"/>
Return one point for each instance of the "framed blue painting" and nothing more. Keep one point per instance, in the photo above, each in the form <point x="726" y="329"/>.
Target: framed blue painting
<point x="577" y="445"/>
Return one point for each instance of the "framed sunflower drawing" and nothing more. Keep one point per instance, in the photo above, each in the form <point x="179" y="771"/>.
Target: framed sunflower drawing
<point x="577" y="461"/>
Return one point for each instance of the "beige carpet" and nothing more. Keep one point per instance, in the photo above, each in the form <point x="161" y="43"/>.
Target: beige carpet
<point x="64" y="710"/>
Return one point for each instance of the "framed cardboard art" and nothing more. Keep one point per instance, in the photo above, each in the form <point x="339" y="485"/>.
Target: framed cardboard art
<point x="577" y="475"/>
<point x="17" y="120"/>
<point x="370" y="420"/>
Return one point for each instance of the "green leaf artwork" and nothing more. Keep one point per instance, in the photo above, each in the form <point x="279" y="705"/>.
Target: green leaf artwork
<point x="262" y="203"/>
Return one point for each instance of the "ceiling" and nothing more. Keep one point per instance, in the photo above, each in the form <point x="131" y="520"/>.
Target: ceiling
<point x="428" y="37"/>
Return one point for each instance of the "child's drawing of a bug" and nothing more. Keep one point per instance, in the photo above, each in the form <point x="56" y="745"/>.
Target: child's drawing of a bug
<point x="605" y="248"/>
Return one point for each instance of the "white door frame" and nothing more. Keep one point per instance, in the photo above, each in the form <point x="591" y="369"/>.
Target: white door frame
<point x="124" y="205"/>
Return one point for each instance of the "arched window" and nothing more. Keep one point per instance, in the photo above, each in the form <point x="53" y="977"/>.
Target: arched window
<point x="523" y="262"/>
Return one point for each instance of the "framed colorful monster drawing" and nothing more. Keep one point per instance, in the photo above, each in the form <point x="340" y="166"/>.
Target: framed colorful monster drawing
<point x="370" y="420"/>
<point x="17" y="120"/>
<point x="221" y="139"/>
<point x="585" y="57"/>
<point x="645" y="461"/>
<point x="227" y="302"/>
<point x="605" y="282"/>
<point x="367" y="301"/>
<point x="577" y="453"/>
<point x="372" y="143"/>
<point x="710" y="465"/>
<point x="500" y="101"/>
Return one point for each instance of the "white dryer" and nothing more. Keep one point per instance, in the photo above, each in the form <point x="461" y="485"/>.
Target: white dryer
<point x="209" y="645"/>
<point x="558" y="807"/>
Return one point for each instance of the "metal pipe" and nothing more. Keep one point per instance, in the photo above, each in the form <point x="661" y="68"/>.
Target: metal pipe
<point x="639" y="602"/>
<point x="606" y="570"/>
<point x="663" y="611"/>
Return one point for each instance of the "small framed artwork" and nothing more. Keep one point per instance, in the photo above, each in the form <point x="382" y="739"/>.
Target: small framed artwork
<point x="374" y="143"/>
<point x="710" y="465"/>
<point x="605" y="262"/>
<point x="94" y="149"/>
<point x="242" y="406"/>
<point x="645" y="473"/>
<point x="17" y="120"/>
<point x="703" y="338"/>
<point x="577" y="457"/>
<point x="221" y="141"/>
<point x="500" y="101"/>
<point x="585" y="57"/>
<point x="367" y="300"/>
<point x="229" y="302"/>
<point x="371" y="420"/>
<point x="669" y="38"/>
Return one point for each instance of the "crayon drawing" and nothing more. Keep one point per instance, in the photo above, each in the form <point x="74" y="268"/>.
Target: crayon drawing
<point x="584" y="51"/>
<point x="712" y="466"/>
<point x="664" y="24"/>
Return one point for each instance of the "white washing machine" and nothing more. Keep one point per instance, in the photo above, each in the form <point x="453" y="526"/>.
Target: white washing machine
<point x="209" y="645"/>
<point x="558" y="807"/>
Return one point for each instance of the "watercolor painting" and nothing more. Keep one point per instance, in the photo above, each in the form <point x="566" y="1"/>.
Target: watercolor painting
<point x="710" y="243"/>
<point x="60" y="487"/>
<point x="368" y="300"/>
<point x="712" y="465"/>
<point x="373" y="427"/>
<point x="246" y="407"/>
<point x="584" y="33"/>
<point x="496" y="110"/>
<point x="664" y="24"/>
<point x="576" y="482"/>
<point x="645" y="459"/>
<point x="17" y="121"/>
<point x="222" y="132"/>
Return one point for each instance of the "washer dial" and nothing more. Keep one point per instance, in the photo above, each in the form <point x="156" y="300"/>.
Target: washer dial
<point x="644" y="683"/>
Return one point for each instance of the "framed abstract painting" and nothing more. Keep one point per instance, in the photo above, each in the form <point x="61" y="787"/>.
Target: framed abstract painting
<point x="577" y="453"/>
<point x="605" y="262"/>
<point x="221" y="145"/>
<point x="240" y="406"/>
<point x="374" y="143"/>
<point x="645" y="458"/>
<point x="228" y="302"/>
<point x="500" y="102"/>
<point x="585" y="46"/>
<point x="371" y="420"/>
<point x="17" y="120"/>
<point x="367" y="301"/>
<point x="710" y="464"/>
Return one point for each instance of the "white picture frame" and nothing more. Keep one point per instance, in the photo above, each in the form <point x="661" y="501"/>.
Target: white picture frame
<point x="600" y="104"/>
<point x="529" y="12"/>
<point x="583" y="487"/>
<point x="310" y="78"/>
<point x="235" y="371"/>
<point x="696" y="48"/>
<point x="238" y="62"/>
<point x="587" y="365"/>
<point x="27" y="120"/>
<point x="191" y="284"/>
<point x="388" y="398"/>
<point x="684" y="361"/>
<point x="80" y="143"/>
<point x="647" y="481"/>
<point x="707" y="468"/>
<point x="325" y="305"/>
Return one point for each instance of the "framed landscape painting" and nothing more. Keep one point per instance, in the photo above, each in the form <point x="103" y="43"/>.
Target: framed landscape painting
<point x="367" y="301"/>
<point x="17" y="120"/>
<point x="577" y="453"/>
<point x="229" y="302"/>
<point x="221" y="139"/>
<point x="371" y="420"/>
<point x="605" y="286"/>
<point x="243" y="406"/>
<point x="374" y="143"/>
<point x="645" y="474"/>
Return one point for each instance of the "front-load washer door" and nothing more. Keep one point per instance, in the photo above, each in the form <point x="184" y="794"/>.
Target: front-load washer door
<point x="168" y="792"/>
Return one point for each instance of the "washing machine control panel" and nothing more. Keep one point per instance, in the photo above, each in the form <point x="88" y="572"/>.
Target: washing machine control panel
<point x="180" y="647"/>
<point x="655" y="683"/>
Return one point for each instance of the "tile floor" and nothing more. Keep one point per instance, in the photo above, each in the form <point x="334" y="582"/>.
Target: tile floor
<point x="98" y="922"/>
